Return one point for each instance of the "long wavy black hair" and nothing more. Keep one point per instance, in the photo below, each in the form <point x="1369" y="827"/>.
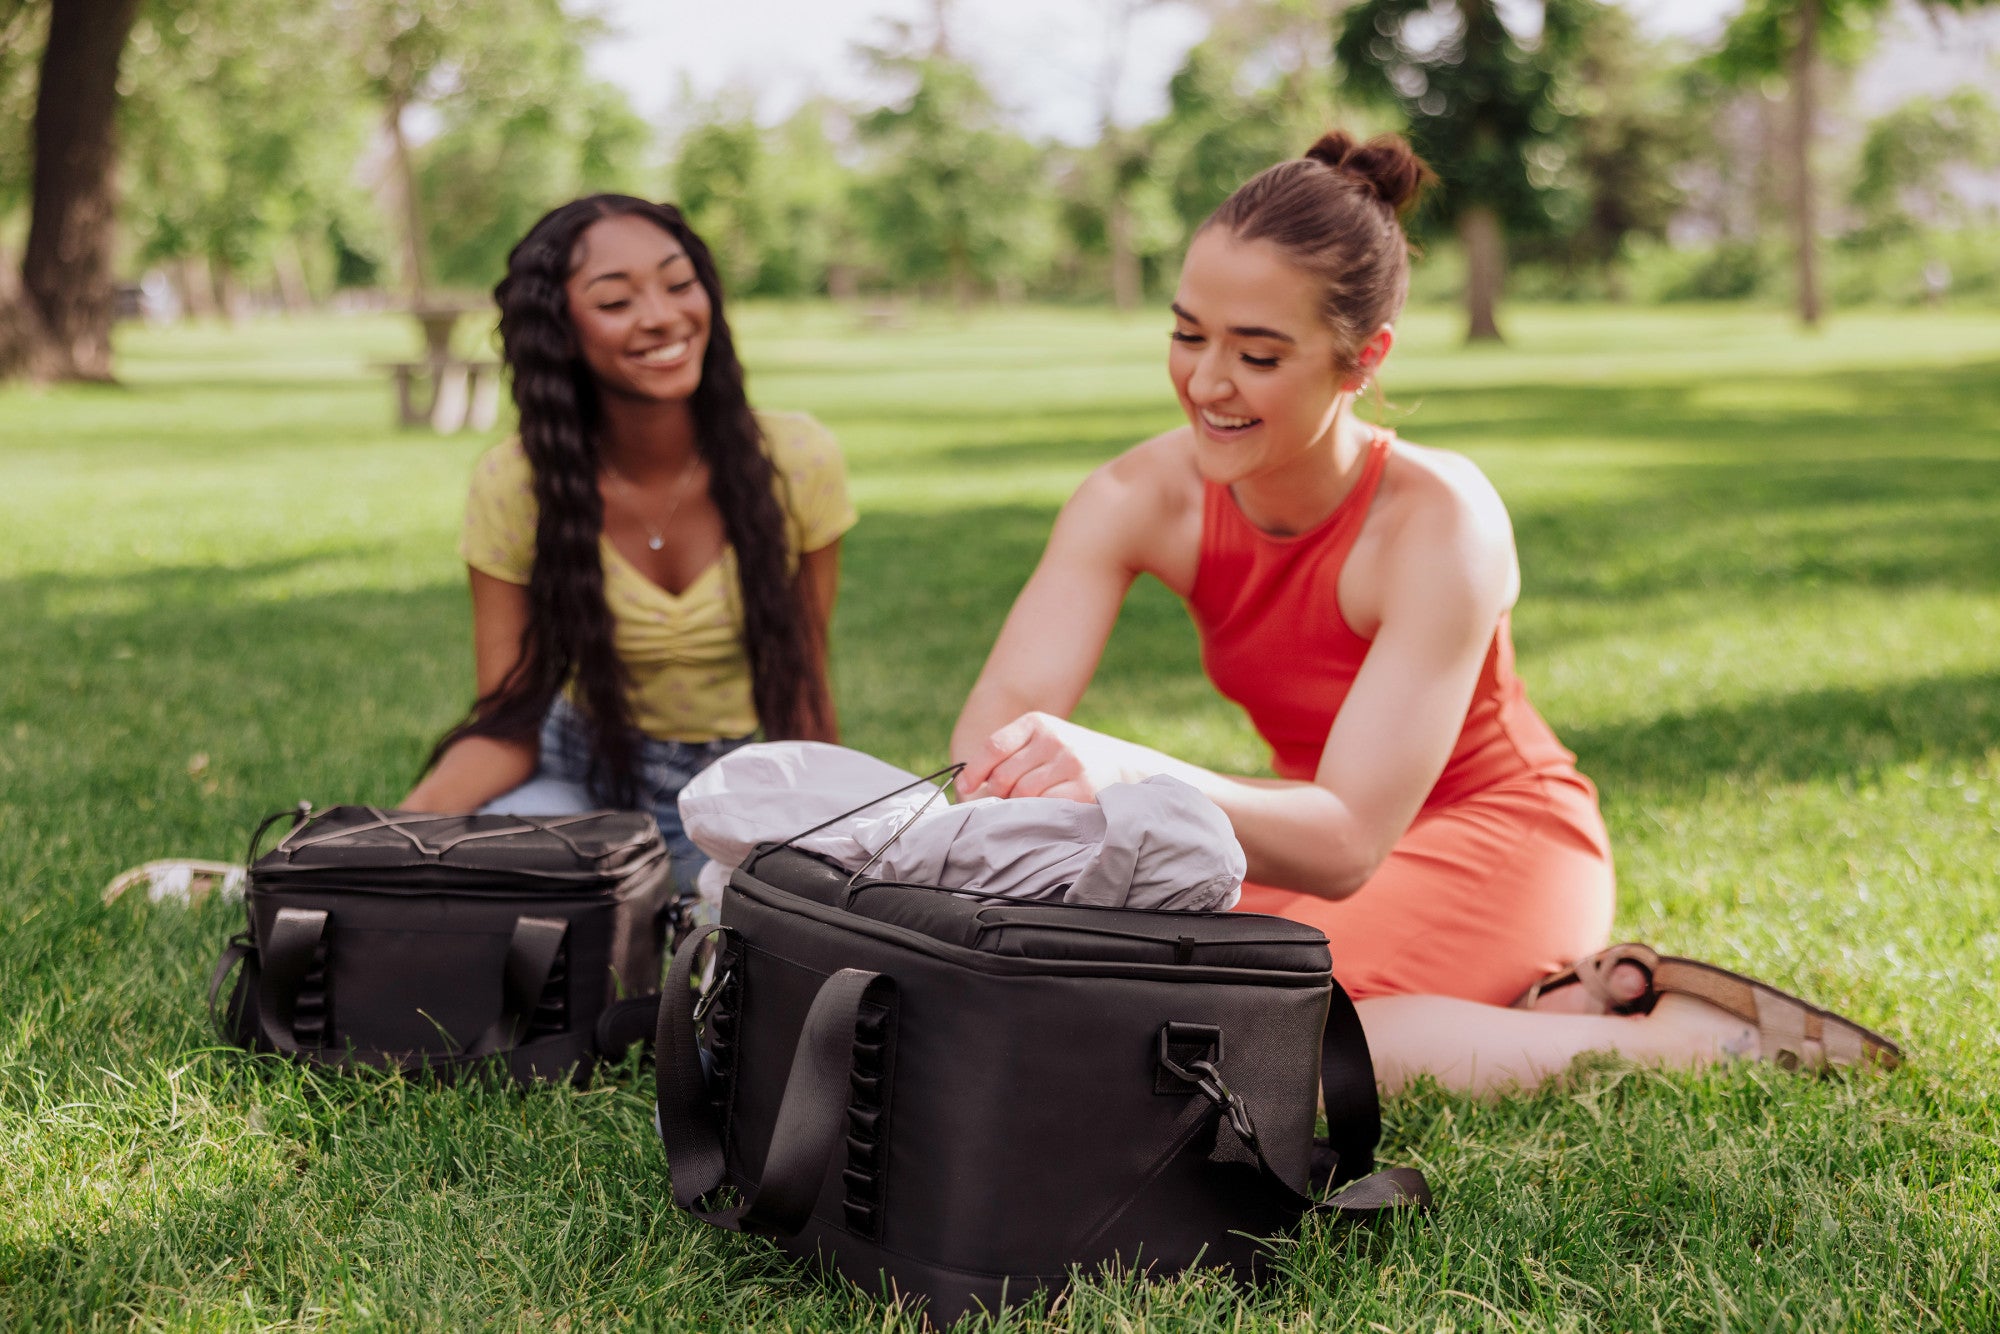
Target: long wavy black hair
<point x="569" y="631"/>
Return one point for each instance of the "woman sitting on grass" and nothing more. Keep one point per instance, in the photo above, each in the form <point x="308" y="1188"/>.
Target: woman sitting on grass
<point x="1351" y="591"/>
<point x="653" y="563"/>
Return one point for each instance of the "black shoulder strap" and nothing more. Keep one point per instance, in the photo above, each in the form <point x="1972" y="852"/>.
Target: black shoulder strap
<point x="1383" y="1192"/>
<point x="1347" y="1088"/>
<point x="238" y="949"/>
<point x="1346" y="1156"/>
<point x="624" y="1022"/>
<point x="812" y="1113"/>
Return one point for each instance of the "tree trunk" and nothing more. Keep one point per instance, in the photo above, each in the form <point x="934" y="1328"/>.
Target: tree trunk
<point x="197" y="286"/>
<point x="1125" y="278"/>
<point x="24" y="344"/>
<point x="229" y="297"/>
<point x="1116" y="153"/>
<point x="963" y="288"/>
<point x="289" y="267"/>
<point x="1805" y="54"/>
<point x="66" y="272"/>
<point x="1485" y="262"/>
<point x="416" y="275"/>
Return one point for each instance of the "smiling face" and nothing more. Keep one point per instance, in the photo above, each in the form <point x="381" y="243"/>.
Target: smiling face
<point x="641" y="316"/>
<point x="1256" y="368"/>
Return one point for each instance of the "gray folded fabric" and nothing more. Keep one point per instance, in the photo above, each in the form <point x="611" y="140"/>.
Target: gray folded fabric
<point x="1165" y="846"/>
<point x="1156" y="844"/>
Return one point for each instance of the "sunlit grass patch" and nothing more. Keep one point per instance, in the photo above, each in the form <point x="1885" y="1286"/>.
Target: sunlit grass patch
<point x="1762" y="602"/>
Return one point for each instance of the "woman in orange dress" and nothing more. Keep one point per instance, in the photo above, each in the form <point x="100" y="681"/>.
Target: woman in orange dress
<point x="1352" y="592"/>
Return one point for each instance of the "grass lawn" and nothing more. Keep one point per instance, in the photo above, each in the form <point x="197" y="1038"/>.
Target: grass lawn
<point x="1762" y="603"/>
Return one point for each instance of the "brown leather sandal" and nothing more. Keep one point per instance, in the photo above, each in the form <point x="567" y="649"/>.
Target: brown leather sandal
<point x="1593" y="974"/>
<point x="1791" y="1033"/>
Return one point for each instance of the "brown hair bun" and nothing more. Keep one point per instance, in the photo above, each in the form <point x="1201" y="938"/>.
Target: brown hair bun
<point x="1385" y="164"/>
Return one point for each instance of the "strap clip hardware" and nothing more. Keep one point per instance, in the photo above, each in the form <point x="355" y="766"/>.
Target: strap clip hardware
<point x="713" y="994"/>
<point x="1204" y="1076"/>
<point x="1208" y="1036"/>
<point x="1205" y="1073"/>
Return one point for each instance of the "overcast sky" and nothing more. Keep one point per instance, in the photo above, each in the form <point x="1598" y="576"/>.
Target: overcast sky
<point x="1042" y="57"/>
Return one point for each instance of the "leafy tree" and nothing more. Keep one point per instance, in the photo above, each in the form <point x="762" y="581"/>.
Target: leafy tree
<point x="809" y="191"/>
<point x="1903" y="185"/>
<point x="1120" y="167"/>
<point x="514" y="146"/>
<point x="1257" y="90"/>
<point x="1629" y="129"/>
<point x="398" y="45"/>
<point x="22" y="25"/>
<point x="719" y="178"/>
<point x="773" y="204"/>
<point x="240" y="140"/>
<point x="1791" y="39"/>
<point x="494" y="72"/>
<point x="951" y="201"/>
<point x="1091" y="262"/>
<point x="1487" y="110"/>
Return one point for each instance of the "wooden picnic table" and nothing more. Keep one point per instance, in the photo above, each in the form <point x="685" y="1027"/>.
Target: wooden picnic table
<point x="448" y="393"/>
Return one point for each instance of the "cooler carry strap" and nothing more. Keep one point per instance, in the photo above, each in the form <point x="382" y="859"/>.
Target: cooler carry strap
<point x="283" y="962"/>
<point x="287" y="957"/>
<point x="531" y="957"/>
<point x="812" y="1113"/>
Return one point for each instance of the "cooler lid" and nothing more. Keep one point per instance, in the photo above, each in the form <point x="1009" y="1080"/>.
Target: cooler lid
<point x="595" y="845"/>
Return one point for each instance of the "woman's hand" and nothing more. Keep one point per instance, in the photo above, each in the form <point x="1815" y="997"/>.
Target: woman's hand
<point x="1041" y="755"/>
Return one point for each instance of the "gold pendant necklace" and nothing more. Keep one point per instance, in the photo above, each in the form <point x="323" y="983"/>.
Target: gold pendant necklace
<point x="657" y="537"/>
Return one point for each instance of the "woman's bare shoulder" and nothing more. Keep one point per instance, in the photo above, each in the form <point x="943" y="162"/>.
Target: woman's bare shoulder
<point x="1153" y="478"/>
<point x="1440" y="526"/>
<point x="1430" y="488"/>
<point x="1143" y="503"/>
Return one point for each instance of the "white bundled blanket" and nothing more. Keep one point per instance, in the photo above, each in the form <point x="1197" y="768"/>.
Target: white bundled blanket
<point x="1156" y="844"/>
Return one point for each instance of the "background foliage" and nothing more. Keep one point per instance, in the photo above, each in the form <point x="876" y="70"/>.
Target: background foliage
<point x="258" y="166"/>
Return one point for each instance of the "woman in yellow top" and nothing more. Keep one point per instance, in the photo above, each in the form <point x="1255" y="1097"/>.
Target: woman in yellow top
<point x="653" y="563"/>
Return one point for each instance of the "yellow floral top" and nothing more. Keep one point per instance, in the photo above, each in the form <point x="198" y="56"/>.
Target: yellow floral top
<point x="690" y="674"/>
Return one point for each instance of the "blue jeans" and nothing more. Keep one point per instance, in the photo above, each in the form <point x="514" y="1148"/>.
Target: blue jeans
<point x="561" y="785"/>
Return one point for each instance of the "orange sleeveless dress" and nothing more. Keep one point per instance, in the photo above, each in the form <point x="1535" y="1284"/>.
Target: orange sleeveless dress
<point x="1504" y="875"/>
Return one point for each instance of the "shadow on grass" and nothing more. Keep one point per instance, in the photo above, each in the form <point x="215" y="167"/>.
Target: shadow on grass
<point x="1753" y="501"/>
<point x="339" y="694"/>
<point x="1771" y="531"/>
<point x="1810" y="736"/>
<point x="1745" y="502"/>
<point x="1759" y="414"/>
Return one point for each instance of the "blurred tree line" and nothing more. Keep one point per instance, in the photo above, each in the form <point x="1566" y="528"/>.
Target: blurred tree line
<point x="263" y="150"/>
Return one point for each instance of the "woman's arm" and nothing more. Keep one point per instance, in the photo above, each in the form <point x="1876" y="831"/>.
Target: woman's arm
<point x="1053" y="638"/>
<point x="1444" y="585"/>
<point x="478" y="768"/>
<point x="1445" y="579"/>
<point x="819" y="584"/>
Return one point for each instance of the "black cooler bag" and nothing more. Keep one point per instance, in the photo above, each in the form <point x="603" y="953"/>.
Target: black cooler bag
<point x="960" y="1101"/>
<point x="435" y="942"/>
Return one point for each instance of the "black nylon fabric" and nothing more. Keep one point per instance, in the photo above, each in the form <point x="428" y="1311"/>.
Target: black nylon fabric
<point x="397" y="848"/>
<point x="1021" y="1123"/>
<point x="422" y="942"/>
